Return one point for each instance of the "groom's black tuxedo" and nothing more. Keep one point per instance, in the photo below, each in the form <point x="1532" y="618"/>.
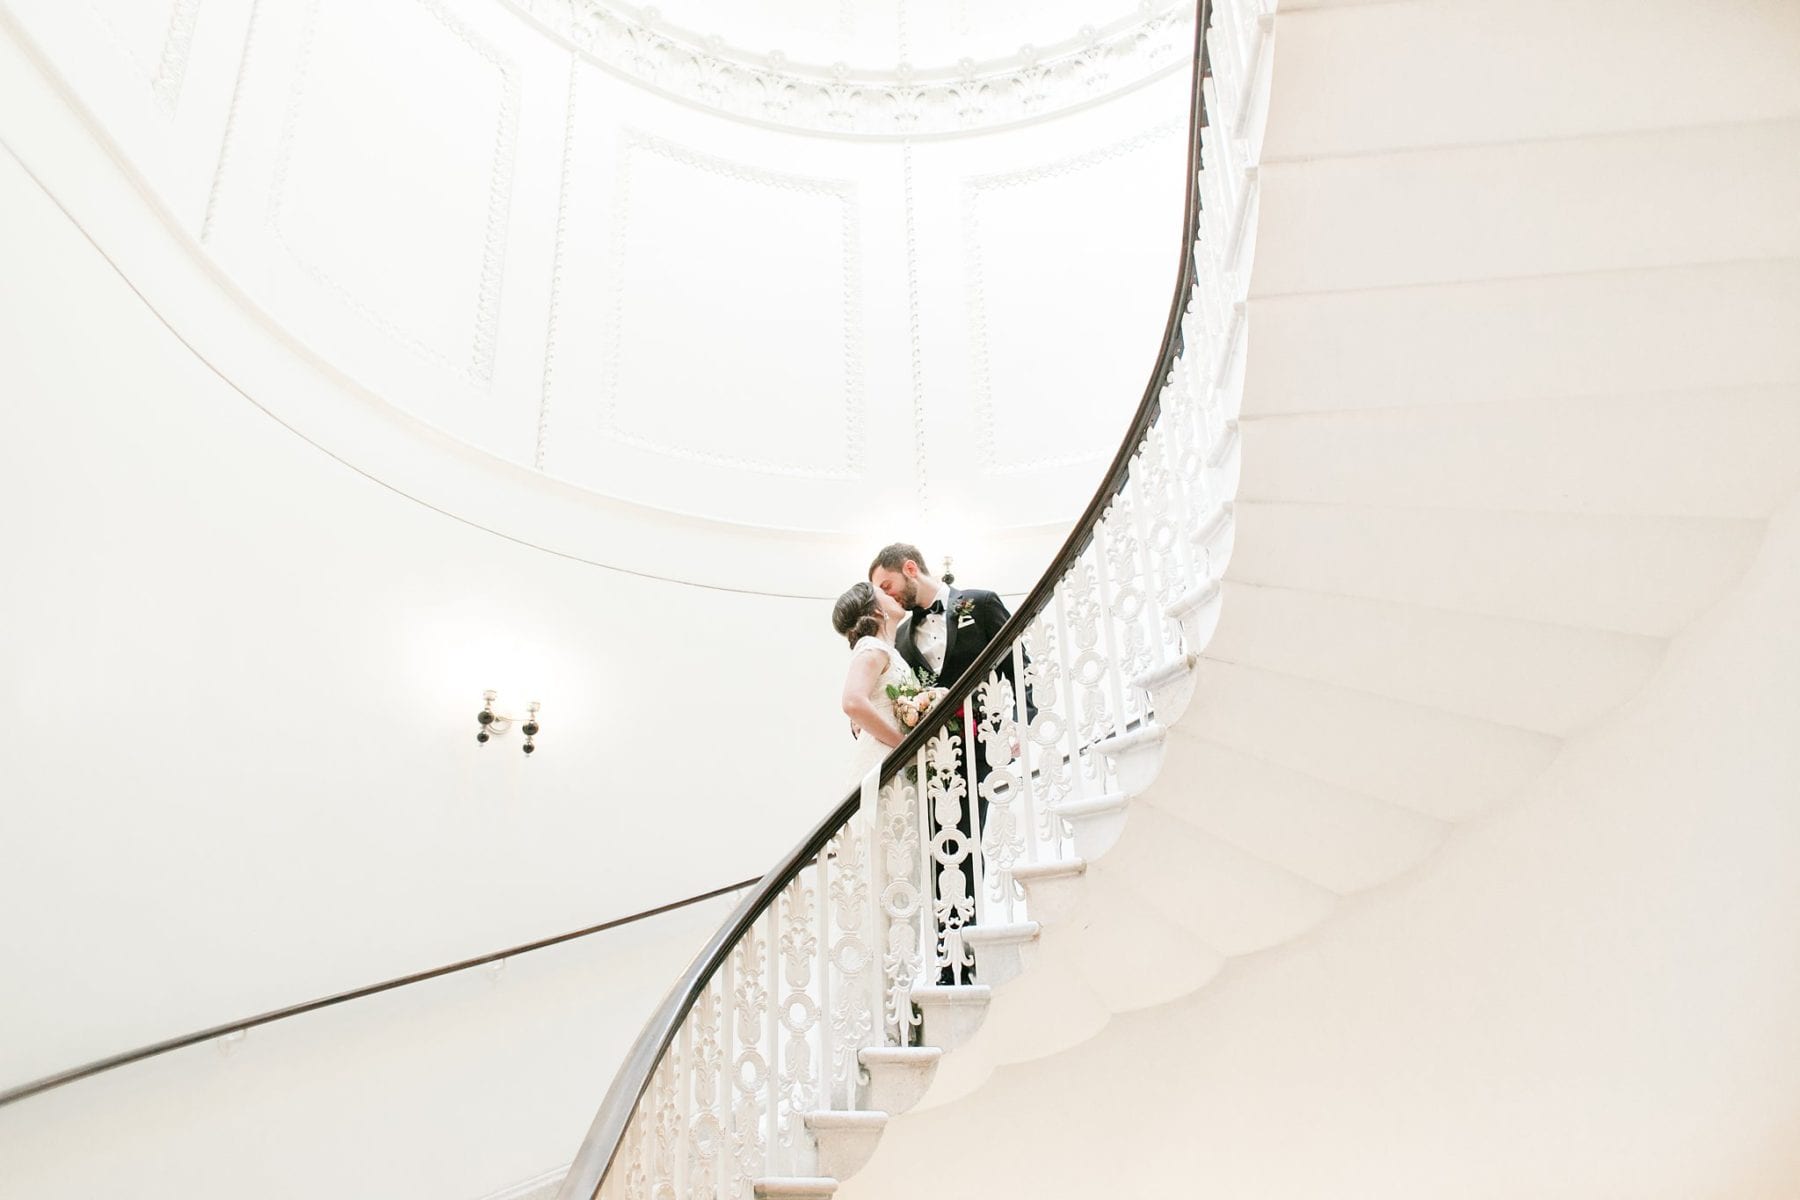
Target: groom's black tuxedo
<point x="966" y="635"/>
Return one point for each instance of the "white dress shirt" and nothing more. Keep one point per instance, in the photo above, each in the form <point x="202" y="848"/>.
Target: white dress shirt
<point x="931" y="638"/>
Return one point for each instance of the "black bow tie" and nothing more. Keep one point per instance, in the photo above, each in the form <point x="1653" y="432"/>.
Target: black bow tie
<point x="919" y="614"/>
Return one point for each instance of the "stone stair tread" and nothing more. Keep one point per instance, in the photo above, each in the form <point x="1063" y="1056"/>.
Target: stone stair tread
<point x="951" y="1014"/>
<point x="1110" y="802"/>
<point x="1056" y="869"/>
<point x="800" y="1187"/>
<point x="845" y="1118"/>
<point x="899" y="1076"/>
<point x="1146" y="734"/>
<point x="1189" y="600"/>
<point x="1022" y="931"/>
<point x="951" y="994"/>
<point x="899" y="1054"/>
<point x="1167" y="672"/>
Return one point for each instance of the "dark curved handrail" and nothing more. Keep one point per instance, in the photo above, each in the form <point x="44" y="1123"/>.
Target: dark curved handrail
<point x="128" y="1057"/>
<point x="607" y="1133"/>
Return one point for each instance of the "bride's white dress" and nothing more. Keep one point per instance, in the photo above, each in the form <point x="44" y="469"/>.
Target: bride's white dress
<point x="869" y="751"/>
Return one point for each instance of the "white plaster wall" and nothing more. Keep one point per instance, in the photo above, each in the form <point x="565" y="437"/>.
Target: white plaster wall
<point x="461" y="1087"/>
<point x="239" y="682"/>
<point x="1589" y="993"/>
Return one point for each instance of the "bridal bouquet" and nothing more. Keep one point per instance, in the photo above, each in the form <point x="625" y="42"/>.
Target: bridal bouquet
<point x="912" y="701"/>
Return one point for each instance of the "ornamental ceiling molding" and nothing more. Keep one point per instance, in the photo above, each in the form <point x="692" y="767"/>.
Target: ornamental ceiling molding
<point x="477" y="367"/>
<point x="170" y="69"/>
<point x="966" y="97"/>
<point x="633" y="142"/>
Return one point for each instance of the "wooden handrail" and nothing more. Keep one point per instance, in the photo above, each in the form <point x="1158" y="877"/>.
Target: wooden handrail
<point x="87" y="1070"/>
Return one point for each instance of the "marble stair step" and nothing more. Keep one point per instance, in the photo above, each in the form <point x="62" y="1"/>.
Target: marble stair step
<point x="793" y="1188"/>
<point x="844" y="1141"/>
<point x="898" y="1075"/>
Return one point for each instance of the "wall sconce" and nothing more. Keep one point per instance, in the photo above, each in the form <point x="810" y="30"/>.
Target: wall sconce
<point x="493" y="723"/>
<point x="948" y="574"/>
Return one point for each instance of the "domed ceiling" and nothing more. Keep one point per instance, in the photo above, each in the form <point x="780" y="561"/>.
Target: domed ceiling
<point x="871" y="269"/>
<point x="881" y="68"/>
<point x="873" y="36"/>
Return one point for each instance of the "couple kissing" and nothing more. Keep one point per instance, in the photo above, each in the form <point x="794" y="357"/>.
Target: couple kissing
<point x="907" y="630"/>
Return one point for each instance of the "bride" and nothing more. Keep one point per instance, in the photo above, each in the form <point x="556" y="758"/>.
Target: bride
<point x="867" y="618"/>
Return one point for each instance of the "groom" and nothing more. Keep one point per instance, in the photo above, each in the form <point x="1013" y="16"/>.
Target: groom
<point x="945" y="632"/>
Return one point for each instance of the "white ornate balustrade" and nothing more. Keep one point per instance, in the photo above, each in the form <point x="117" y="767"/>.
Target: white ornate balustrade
<point x="826" y="1016"/>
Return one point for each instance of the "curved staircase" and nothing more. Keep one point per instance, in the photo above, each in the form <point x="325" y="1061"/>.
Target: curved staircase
<point x="1519" y="405"/>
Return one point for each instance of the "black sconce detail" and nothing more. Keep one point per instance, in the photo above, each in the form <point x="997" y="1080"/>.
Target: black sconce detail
<point x="492" y="723"/>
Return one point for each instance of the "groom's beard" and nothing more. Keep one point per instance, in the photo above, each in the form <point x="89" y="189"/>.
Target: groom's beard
<point x="909" y="596"/>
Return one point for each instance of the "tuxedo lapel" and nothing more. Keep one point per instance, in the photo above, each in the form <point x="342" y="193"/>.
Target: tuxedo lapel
<point x="909" y="650"/>
<point x="950" y="598"/>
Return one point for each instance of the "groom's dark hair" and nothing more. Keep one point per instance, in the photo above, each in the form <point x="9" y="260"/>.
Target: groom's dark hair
<point x="893" y="558"/>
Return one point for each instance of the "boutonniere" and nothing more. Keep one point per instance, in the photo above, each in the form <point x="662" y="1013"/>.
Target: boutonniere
<point x="965" y="612"/>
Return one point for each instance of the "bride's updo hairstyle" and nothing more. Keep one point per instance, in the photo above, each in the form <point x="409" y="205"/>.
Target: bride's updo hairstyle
<point x="855" y="615"/>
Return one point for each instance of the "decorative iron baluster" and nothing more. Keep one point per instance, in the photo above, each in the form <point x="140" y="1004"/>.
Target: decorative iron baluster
<point x="637" y="1173"/>
<point x="947" y="792"/>
<point x="771" y="1033"/>
<point x="750" y="1074"/>
<point x="903" y="902"/>
<point x="974" y="862"/>
<point x="706" y="1132"/>
<point x="1027" y="816"/>
<point x="1084" y="614"/>
<point x="1052" y="730"/>
<point x="665" y="1129"/>
<point x="823" y="1091"/>
<point x="1162" y="524"/>
<point x="798" y="1011"/>
<point x="681" y="1080"/>
<point x="1124" y="595"/>
<point x="851" y="1013"/>
<point x="1002" y="837"/>
<point x="1180" y="508"/>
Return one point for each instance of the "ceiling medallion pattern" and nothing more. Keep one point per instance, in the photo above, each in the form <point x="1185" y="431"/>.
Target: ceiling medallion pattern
<point x="906" y="102"/>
